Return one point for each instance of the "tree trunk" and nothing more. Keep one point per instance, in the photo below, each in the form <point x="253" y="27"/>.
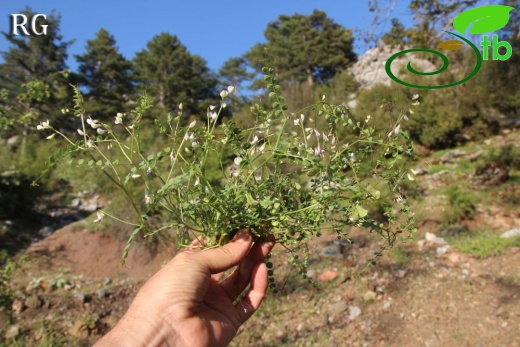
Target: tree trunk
<point x="310" y="77"/>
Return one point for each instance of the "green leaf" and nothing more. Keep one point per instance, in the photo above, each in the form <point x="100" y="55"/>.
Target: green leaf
<point x="172" y="182"/>
<point x="361" y="211"/>
<point x="484" y="19"/>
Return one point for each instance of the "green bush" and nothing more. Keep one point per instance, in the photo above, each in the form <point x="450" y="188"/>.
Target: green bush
<point x="443" y="118"/>
<point x="462" y="205"/>
<point x="508" y="155"/>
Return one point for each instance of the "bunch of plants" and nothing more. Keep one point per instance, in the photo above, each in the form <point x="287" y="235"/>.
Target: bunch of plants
<point x="294" y="175"/>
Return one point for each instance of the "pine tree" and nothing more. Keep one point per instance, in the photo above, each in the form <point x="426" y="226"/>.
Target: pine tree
<point x="302" y="48"/>
<point x="32" y="73"/>
<point x="170" y="74"/>
<point x="234" y="72"/>
<point x="106" y="74"/>
<point x="397" y="35"/>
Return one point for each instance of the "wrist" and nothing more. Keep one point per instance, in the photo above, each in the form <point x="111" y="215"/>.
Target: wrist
<point x="133" y="330"/>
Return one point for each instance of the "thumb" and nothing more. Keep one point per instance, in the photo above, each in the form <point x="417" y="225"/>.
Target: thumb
<point x="220" y="259"/>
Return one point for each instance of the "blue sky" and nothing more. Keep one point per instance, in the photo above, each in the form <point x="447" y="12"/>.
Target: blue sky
<point x="215" y="30"/>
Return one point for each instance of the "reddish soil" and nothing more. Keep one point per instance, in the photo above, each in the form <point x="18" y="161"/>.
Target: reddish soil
<point x="96" y="255"/>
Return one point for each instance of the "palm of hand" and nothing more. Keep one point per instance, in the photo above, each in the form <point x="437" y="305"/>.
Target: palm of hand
<point x="197" y="303"/>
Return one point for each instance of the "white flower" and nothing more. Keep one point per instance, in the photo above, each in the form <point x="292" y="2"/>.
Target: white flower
<point x="415" y="96"/>
<point x="195" y="144"/>
<point x="416" y="103"/>
<point x="180" y="106"/>
<point x="302" y="117"/>
<point x="317" y="133"/>
<point x="414" y="171"/>
<point x="224" y="105"/>
<point x="189" y="136"/>
<point x="410" y="177"/>
<point x="101" y="131"/>
<point x="81" y="132"/>
<point x="212" y="107"/>
<point x="89" y="143"/>
<point x="261" y="148"/>
<point x="99" y="216"/>
<point x="119" y="119"/>
<point x="213" y="115"/>
<point x="230" y="89"/>
<point x="405" y="117"/>
<point x="296" y="121"/>
<point x="318" y="151"/>
<point x="51" y="136"/>
<point x="410" y="110"/>
<point x="64" y="110"/>
<point x="223" y="94"/>
<point x="397" y="129"/>
<point x="255" y="140"/>
<point x="147" y="199"/>
<point x="134" y="176"/>
<point x="368" y="118"/>
<point x="43" y="125"/>
<point x="325" y="138"/>
<point x="237" y="161"/>
<point x="94" y="123"/>
<point x="197" y="181"/>
<point x="192" y="124"/>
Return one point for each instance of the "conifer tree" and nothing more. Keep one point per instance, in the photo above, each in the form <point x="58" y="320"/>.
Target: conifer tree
<point x="106" y="74"/>
<point x="303" y="48"/>
<point x="170" y="74"/>
<point x="32" y="75"/>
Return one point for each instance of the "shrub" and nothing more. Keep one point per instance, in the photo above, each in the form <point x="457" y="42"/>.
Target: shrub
<point x="462" y="205"/>
<point x="288" y="175"/>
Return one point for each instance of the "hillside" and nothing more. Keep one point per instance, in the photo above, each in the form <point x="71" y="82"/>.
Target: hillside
<point x="455" y="284"/>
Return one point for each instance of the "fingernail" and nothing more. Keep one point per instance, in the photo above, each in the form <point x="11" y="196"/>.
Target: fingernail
<point x="242" y="236"/>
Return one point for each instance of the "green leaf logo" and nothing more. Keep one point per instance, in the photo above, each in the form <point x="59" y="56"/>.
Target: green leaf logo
<point x="451" y="45"/>
<point x="484" y="19"/>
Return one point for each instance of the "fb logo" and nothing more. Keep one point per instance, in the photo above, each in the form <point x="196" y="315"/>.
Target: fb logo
<point x="19" y="21"/>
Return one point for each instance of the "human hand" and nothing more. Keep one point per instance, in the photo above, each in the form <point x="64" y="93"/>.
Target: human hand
<point x="187" y="303"/>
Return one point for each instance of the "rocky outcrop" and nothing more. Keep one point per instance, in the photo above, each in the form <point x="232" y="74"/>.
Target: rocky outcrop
<point x="369" y="70"/>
